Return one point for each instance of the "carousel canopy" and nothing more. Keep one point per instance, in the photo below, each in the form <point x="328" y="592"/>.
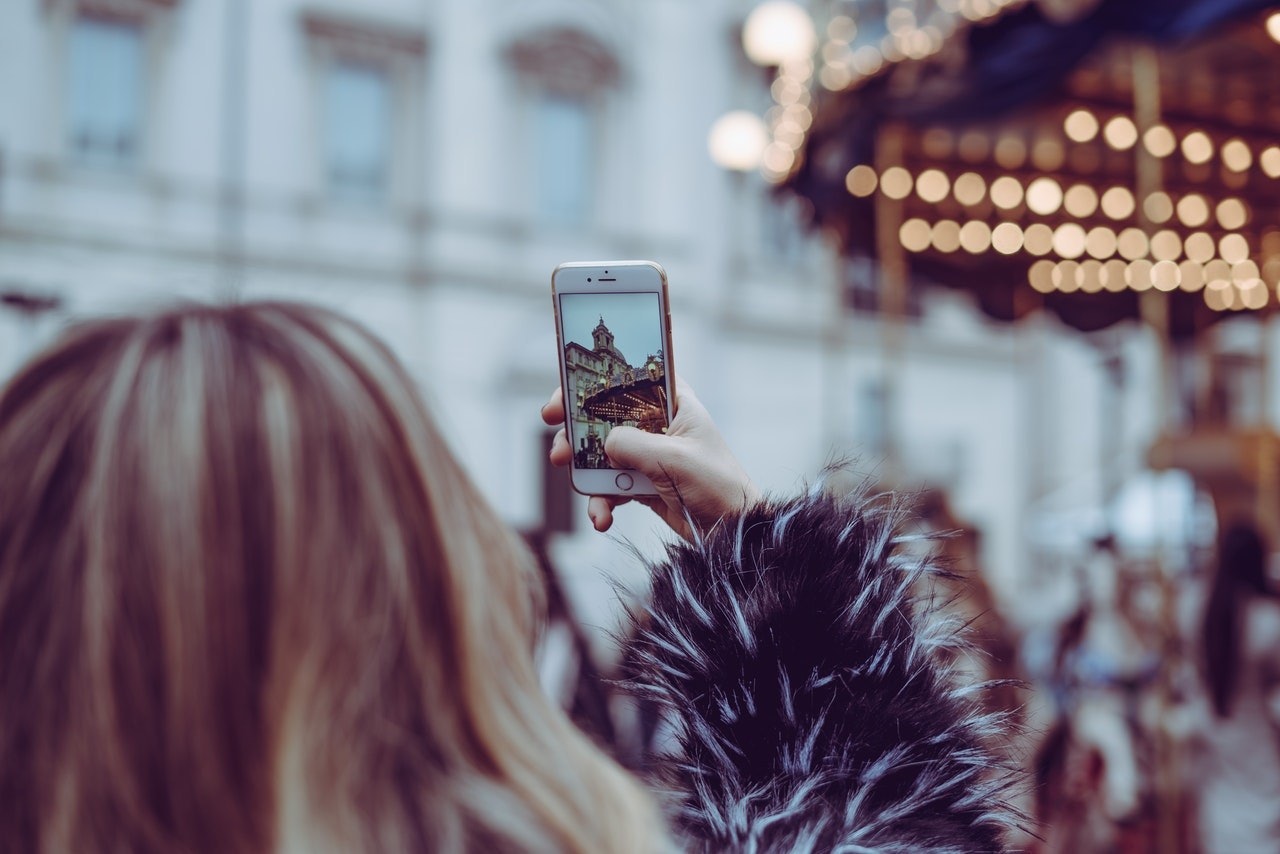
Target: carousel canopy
<point x="1069" y="155"/>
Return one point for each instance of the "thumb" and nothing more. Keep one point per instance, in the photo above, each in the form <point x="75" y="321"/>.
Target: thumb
<point x="632" y="448"/>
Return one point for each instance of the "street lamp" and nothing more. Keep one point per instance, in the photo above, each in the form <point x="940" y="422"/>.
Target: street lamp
<point x="778" y="32"/>
<point x="737" y="141"/>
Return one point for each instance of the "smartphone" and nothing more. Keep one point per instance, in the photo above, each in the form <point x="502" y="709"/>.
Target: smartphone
<point x="613" y="329"/>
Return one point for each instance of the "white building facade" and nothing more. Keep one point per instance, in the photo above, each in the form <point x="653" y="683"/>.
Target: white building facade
<point x="424" y="166"/>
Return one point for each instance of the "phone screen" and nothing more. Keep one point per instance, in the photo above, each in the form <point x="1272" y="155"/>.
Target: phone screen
<point x="615" y="369"/>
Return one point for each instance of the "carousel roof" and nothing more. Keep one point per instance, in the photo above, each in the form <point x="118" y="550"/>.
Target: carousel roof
<point x="1125" y="156"/>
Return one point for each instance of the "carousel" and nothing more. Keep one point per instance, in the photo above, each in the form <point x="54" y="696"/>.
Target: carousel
<point x="1114" y="164"/>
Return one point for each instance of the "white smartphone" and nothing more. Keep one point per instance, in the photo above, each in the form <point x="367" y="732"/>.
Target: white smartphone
<point x="613" y="328"/>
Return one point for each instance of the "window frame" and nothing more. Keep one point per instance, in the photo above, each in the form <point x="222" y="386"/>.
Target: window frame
<point x="400" y="53"/>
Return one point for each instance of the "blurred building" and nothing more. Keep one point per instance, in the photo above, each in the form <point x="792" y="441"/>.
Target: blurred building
<point x="424" y="165"/>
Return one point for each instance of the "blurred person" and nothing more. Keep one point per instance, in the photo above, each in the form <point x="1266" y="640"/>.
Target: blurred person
<point x="1239" y="777"/>
<point x="249" y="601"/>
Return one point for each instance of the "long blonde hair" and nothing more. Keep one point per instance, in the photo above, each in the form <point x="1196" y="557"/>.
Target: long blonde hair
<point x="250" y="601"/>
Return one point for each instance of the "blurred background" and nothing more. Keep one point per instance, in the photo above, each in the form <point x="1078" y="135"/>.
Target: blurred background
<point x="1021" y="256"/>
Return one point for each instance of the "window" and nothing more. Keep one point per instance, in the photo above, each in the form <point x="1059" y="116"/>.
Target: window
<point x="564" y="145"/>
<point x="565" y="77"/>
<point x="105" y="98"/>
<point x="357" y="129"/>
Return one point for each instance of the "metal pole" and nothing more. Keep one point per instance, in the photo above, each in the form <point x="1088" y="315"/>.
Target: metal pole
<point x="894" y="272"/>
<point x="1155" y="311"/>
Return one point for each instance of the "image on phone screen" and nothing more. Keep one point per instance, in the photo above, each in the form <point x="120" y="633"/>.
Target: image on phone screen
<point x="615" y="369"/>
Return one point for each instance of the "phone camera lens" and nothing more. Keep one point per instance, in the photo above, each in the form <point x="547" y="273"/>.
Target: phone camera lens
<point x="588" y="278"/>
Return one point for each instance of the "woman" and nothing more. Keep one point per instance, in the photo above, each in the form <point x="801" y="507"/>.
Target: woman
<point x="1240" y="781"/>
<point x="250" y="602"/>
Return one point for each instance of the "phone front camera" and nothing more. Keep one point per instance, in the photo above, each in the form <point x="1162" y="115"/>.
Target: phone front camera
<point x="588" y="278"/>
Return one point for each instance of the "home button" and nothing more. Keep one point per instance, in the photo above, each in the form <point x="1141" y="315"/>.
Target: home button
<point x="624" y="482"/>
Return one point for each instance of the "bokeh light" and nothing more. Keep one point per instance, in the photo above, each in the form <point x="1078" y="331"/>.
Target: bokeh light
<point x="1120" y="133"/>
<point x="970" y="189"/>
<point x="1081" y="126"/>
<point x="1197" y="147"/>
<point x="861" y="180"/>
<point x="1069" y="240"/>
<point x="1006" y="192"/>
<point x="1044" y="196"/>
<point x="1038" y="239"/>
<point x="1118" y="203"/>
<point x="896" y="182"/>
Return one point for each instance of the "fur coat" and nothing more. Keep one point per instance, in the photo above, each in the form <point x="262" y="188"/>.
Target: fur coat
<point x="801" y="668"/>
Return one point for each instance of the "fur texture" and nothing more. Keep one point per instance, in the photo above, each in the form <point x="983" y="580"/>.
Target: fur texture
<point x="800" y="667"/>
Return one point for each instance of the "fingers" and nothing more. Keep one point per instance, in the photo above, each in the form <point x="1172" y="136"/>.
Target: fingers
<point x="648" y="453"/>
<point x="553" y="409"/>
<point x="600" y="511"/>
<point x="561" y="454"/>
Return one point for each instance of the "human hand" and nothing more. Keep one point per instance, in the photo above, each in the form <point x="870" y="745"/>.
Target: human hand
<point x="691" y="467"/>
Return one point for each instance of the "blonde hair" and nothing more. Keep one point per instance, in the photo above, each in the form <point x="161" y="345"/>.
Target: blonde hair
<point x="250" y="601"/>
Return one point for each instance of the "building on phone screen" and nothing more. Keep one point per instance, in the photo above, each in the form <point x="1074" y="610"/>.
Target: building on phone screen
<point x="607" y="390"/>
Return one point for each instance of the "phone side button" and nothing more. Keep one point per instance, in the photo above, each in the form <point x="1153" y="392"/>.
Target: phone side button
<point x="624" y="482"/>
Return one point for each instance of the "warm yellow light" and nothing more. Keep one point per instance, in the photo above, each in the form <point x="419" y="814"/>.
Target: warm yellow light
<point x="1270" y="161"/>
<point x="1011" y="152"/>
<point x="1118" y="203"/>
<point x="1139" y="274"/>
<point x="861" y="180"/>
<point x="1048" y="154"/>
<point x="1193" y="210"/>
<point x="1273" y="26"/>
<point x="1233" y="248"/>
<point x="1166" y="245"/>
<point x="933" y="185"/>
<point x="1244" y="271"/>
<point x="1006" y="192"/>
<point x="1236" y="155"/>
<point x="1081" y="201"/>
<point x="1120" y="133"/>
<point x="1081" y="126"/>
<point x="1100" y="242"/>
<point x="896" y="182"/>
<point x="1044" y="196"/>
<point x="1040" y="276"/>
<point x="1006" y="238"/>
<point x="1113" y="275"/>
<point x="778" y="159"/>
<point x="1166" y="276"/>
<point x="915" y="235"/>
<point x="1132" y="244"/>
<point x="835" y="77"/>
<point x="1232" y="214"/>
<point x="938" y="143"/>
<point x="1159" y="140"/>
<point x="1066" y="276"/>
<point x="974" y="145"/>
<point x="778" y="32"/>
<point x="1192" y="276"/>
<point x="1090" y="276"/>
<point x="1197" y="147"/>
<point x="737" y="141"/>
<point x="946" y="236"/>
<point x="970" y="189"/>
<point x="1253" y="294"/>
<point x="1218" y="299"/>
<point x="1217" y="274"/>
<point x="1069" y="240"/>
<point x="842" y="28"/>
<point x="1158" y="207"/>
<point x="975" y="236"/>
<point x="1200" y="247"/>
<point x="867" y="60"/>
<point x="1038" y="239"/>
